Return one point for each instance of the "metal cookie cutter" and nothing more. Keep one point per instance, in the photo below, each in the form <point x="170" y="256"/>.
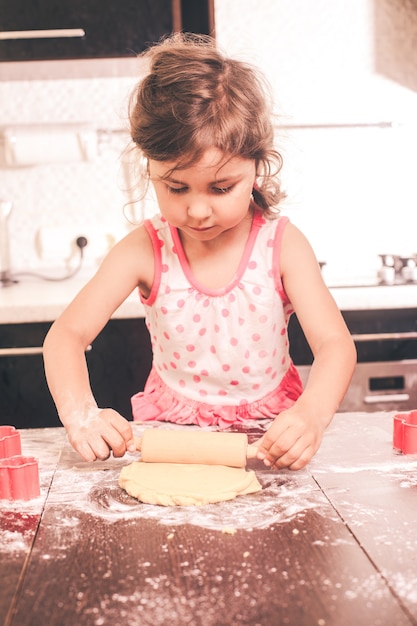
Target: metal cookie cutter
<point x="9" y="442"/>
<point x="405" y="432"/>
<point x="19" y="478"/>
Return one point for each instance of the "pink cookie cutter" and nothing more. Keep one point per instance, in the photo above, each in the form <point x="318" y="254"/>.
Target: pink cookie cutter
<point x="19" y="478"/>
<point x="405" y="432"/>
<point x="10" y="444"/>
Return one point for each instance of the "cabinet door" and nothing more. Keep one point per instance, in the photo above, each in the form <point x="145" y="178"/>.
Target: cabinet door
<point x="119" y="363"/>
<point x="69" y="29"/>
<point x="25" y="401"/>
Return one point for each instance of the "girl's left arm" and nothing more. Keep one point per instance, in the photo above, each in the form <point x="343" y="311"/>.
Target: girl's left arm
<point x="296" y="433"/>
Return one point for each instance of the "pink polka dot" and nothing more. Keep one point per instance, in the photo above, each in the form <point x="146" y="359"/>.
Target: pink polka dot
<point x="202" y="392"/>
<point x="167" y="289"/>
<point x="252" y="307"/>
<point x="216" y="328"/>
<point x="198" y="296"/>
<point x="283" y="360"/>
<point x="204" y="373"/>
<point x="196" y="378"/>
<point x="225" y="368"/>
<point x="274" y="375"/>
<point x="173" y="365"/>
<point x="270" y="243"/>
<point x="262" y="354"/>
<point x="283" y="331"/>
<point x="225" y="312"/>
<point x="231" y="297"/>
<point x="190" y="347"/>
<point x="165" y="366"/>
<point x="256" y="337"/>
<point x="164" y="310"/>
<point x="202" y="332"/>
<point x="164" y="267"/>
<point x="213" y="349"/>
<point x="252" y="265"/>
<point x="234" y="341"/>
<point x="268" y="370"/>
<point x="247" y="354"/>
<point x="180" y="303"/>
<point x="166" y="335"/>
<point x="255" y="387"/>
<point x="206" y="302"/>
<point x="246" y="369"/>
<point x="181" y="383"/>
<point x="234" y="382"/>
<point x="241" y="321"/>
<point x="196" y="317"/>
<point x="263" y="319"/>
<point x="177" y="356"/>
<point x="222" y="392"/>
<point x="179" y="328"/>
<point x="191" y="364"/>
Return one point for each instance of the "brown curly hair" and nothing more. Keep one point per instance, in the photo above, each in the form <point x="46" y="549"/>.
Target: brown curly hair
<point x="193" y="98"/>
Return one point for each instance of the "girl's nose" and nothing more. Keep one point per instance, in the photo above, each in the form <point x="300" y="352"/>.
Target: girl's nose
<point x="199" y="209"/>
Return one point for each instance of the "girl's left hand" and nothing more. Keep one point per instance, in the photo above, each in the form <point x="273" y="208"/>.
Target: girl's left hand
<point x="291" y="441"/>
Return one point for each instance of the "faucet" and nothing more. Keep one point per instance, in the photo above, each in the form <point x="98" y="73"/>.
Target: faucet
<point x="5" y="276"/>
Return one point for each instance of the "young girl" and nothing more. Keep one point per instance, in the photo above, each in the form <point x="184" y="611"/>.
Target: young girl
<point x="218" y="270"/>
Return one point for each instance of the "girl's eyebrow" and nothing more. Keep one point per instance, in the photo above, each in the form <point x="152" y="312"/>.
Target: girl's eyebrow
<point x="217" y="181"/>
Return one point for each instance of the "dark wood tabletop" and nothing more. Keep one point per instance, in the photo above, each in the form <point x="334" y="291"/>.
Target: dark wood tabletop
<point x="334" y="544"/>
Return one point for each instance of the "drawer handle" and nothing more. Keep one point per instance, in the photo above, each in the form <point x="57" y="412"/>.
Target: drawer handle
<point x="394" y="397"/>
<point x="384" y="336"/>
<point x="26" y="351"/>
<point x="58" y="33"/>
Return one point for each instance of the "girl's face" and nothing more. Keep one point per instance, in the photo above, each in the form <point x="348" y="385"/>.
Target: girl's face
<point x="206" y="199"/>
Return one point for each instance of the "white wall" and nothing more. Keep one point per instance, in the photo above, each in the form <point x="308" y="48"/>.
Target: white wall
<point x="352" y="191"/>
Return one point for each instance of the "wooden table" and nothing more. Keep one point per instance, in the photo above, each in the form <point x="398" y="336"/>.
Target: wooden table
<point x="334" y="544"/>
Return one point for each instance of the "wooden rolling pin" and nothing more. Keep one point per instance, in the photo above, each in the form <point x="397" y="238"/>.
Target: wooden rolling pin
<point x="194" y="446"/>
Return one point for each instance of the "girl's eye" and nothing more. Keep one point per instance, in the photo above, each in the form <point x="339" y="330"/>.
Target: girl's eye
<point x="177" y="190"/>
<point x="221" y="190"/>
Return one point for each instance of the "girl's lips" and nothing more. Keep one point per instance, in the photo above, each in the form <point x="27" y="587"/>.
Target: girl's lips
<point x="200" y="230"/>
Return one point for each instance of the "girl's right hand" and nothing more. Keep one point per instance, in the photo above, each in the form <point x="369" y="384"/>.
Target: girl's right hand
<point x="99" y="434"/>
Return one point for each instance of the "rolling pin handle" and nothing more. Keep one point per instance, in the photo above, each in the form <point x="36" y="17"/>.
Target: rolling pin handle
<point x="252" y="451"/>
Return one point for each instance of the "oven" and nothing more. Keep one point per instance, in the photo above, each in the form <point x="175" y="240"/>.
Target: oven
<point x="385" y="378"/>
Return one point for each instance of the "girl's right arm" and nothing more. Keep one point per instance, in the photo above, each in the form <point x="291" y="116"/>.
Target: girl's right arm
<point x="92" y="431"/>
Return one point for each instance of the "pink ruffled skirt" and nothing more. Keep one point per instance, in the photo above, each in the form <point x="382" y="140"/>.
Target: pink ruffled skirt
<point x="159" y="402"/>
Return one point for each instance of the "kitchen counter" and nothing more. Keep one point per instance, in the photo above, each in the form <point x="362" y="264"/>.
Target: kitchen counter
<point x="334" y="544"/>
<point x="34" y="300"/>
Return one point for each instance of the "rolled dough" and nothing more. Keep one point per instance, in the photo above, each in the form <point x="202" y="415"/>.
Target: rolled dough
<point x="185" y="484"/>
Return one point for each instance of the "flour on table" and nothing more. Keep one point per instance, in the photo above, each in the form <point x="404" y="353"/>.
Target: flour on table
<point x="185" y="484"/>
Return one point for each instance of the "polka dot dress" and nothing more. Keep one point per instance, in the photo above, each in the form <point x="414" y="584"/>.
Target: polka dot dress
<point x="217" y="347"/>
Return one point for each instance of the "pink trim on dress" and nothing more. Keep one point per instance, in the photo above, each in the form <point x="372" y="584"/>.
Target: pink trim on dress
<point x="257" y="222"/>
<point x="156" y="244"/>
<point x="276" y="261"/>
<point x="159" y="402"/>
